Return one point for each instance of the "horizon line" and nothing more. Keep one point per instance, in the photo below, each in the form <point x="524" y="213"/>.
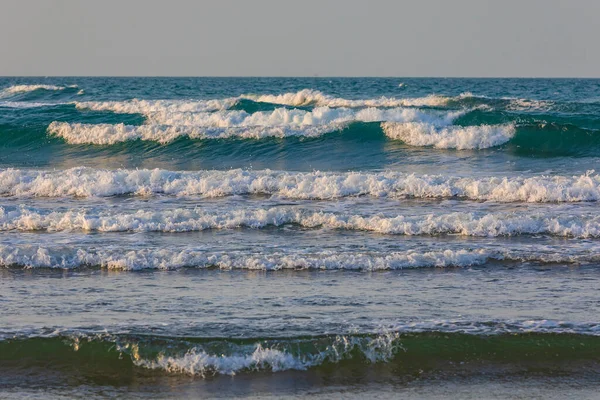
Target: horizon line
<point x="300" y="76"/>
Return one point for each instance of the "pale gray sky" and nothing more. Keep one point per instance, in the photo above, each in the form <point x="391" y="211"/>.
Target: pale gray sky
<point x="301" y="37"/>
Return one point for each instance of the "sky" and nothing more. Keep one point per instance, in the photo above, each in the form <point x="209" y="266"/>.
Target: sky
<point x="441" y="38"/>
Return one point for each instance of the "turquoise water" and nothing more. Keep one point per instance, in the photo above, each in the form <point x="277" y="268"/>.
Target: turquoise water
<point x="218" y="237"/>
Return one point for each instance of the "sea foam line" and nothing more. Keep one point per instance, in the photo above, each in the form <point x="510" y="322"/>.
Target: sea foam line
<point x="123" y="259"/>
<point x="89" y="182"/>
<point x="168" y="258"/>
<point x="186" y="220"/>
<point x="308" y="97"/>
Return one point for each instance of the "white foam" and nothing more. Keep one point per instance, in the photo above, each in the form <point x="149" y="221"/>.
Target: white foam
<point x="301" y="98"/>
<point x="297" y="117"/>
<point x="452" y="137"/>
<point x="26" y="104"/>
<point x="29" y="88"/>
<point x="137" y="106"/>
<point x="106" y="134"/>
<point x="89" y="182"/>
<point x="185" y="220"/>
<point x="308" y="97"/>
<point x="165" y="126"/>
<point x="529" y="105"/>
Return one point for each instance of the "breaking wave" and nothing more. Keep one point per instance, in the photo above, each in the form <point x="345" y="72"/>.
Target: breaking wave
<point x="452" y="137"/>
<point x="306" y="97"/>
<point x="168" y="259"/>
<point x="166" y="127"/>
<point x="409" y="348"/>
<point x="309" y="97"/>
<point x="122" y="259"/>
<point x="89" y="182"/>
<point x="186" y="220"/>
<point x="107" y="134"/>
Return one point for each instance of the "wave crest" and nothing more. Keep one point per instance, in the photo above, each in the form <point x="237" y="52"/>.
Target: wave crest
<point x="452" y="137"/>
<point x="310" y="97"/>
<point x="108" y="134"/>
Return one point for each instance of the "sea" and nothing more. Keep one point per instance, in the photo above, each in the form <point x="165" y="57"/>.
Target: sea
<point x="299" y="238"/>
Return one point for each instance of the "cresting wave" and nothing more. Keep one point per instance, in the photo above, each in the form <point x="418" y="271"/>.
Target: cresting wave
<point x="309" y="97"/>
<point x="107" y="134"/>
<point x="165" y="127"/>
<point x="136" y="106"/>
<point x="411" y="348"/>
<point x="306" y="97"/>
<point x="315" y="98"/>
<point x="168" y="259"/>
<point x="89" y="182"/>
<point x="452" y="137"/>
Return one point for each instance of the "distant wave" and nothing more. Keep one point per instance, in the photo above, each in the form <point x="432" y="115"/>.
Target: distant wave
<point x="27" y="104"/>
<point x="315" y="98"/>
<point x="136" y="106"/>
<point x="86" y="182"/>
<point x="309" y="97"/>
<point x="187" y="220"/>
<point x="306" y="97"/>
<point x="31" y="88"/>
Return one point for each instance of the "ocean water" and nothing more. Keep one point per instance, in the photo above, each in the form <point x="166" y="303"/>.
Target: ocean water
<point x="293" y="237"/>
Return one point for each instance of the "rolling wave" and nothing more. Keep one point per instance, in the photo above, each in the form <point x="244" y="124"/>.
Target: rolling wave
<point x="89" y="182"/>
<point x="108" y="134"/>
<point x="412" y="127"/>
<point x="169" y="259"/>
<point x="316" y="98"/>
<point x="409" y="348"/>
<point x="166" y="127"/>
